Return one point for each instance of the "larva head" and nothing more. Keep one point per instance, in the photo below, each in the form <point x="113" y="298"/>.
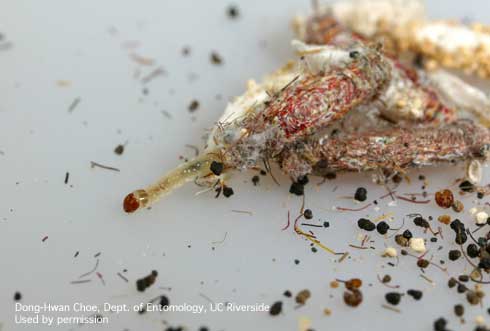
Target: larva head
<point x="135" y="200"/>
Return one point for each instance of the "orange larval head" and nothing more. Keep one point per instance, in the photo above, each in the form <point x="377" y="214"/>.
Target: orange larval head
<point x="130" y="203"/>
<point x="135" y="200"/>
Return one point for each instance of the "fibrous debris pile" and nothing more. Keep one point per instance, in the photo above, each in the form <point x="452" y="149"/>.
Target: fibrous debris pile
<point x="347" y="103"/>
<point x="350" y="102"/>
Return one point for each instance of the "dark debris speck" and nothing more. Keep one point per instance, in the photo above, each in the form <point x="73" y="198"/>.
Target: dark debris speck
<point x="227" y="191"/>
<point x="366" y="224"/>
<point x="193" y="106"/>
<point x="393" y="298"/>
<point x="361" y="194"/>
<point x="216" y="168"/>
<point x="440" y="324"/>
<point x="233" y="12"/>
<point x="276" y="308"/>
<point x="216" y="59"/>
<point x="143" y="283"/>
<point x="416" y="294"/>
<point x="186" y="50"/>
<point x="119" y="150"/>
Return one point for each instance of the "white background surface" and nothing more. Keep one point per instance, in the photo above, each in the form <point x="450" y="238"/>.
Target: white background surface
<point x="82" y="42"/>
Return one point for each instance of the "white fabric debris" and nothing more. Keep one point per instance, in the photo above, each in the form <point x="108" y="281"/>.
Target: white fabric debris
<point x="390" y="252"/>
<point x="481" y="218"/>
<point x="321" y="58"/>
<point x="474" y="172"/>
<point x="365" y="15"/>
<point x="452" y="37"/>
<point x="462" y="95"/>
<point x="480" y="320"/>
<point x="417" y="244"/>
